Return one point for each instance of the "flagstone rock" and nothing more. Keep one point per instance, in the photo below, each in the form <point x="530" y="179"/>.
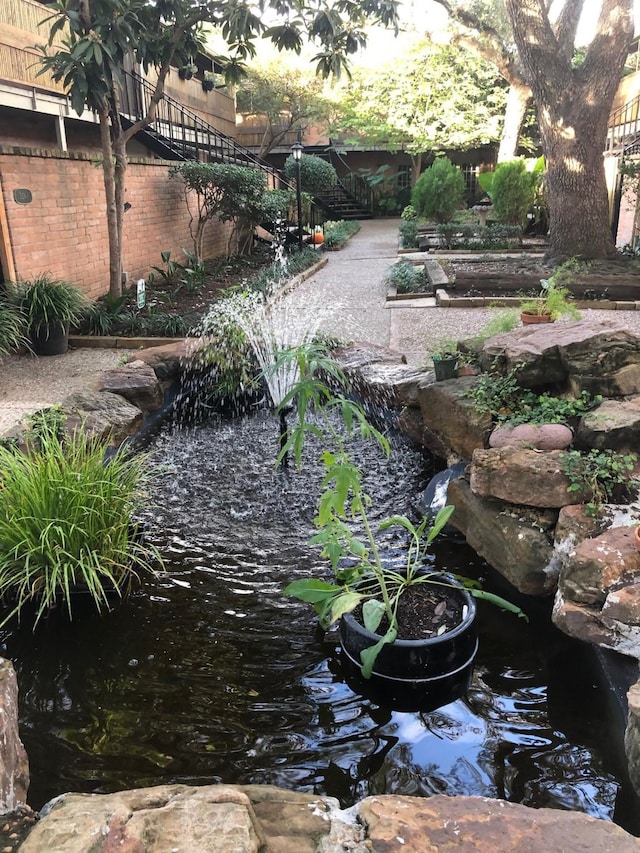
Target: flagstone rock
<point x="481" y="825"/>
<point x="14" y="764"/>
<point x="451" y="418"/>
<point x="632" y="735"/>
<point x="136" y="382"/>
<point x="516" y="541"/>
<point x="598" y="356"/>
<point x="600" y="564"/>
<point x="102" y="414"/>
<point x="614" y="424"/>
<point x="522" y="476"/>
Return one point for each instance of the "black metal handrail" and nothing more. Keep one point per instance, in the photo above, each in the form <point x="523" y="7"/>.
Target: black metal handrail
<point x="190" y="137"/>
<point x="358" y="189"/>
<point x="624" y="126"/>
<point x="185" y="132"/>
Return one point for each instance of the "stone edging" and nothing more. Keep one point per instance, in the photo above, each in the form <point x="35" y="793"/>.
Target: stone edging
<point x="443" y="300"/>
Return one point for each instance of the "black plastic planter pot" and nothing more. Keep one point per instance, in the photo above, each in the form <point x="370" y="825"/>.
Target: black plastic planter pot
<point x="50" y="340"/>
<point x="445" y="368"/>
<point x="414" y="675"/>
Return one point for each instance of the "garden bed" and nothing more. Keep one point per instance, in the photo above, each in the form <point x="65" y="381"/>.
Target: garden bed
<point x="606" y="284"/>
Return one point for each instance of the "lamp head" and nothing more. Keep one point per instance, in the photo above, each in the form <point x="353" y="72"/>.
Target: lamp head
<point x="296" y="150"/>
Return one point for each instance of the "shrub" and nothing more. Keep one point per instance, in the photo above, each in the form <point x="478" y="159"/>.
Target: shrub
<point x="439" y="191"/>
<point x="512" y="192"/>
<point x="337" y="233"/>
<point x="454" y="236"/>
<point x="67" y="520"/>
<point x="407" y="278"/>
<point x="12" y="326"/>
<point x="316" y="175"/>
<point x="408" y="233"/>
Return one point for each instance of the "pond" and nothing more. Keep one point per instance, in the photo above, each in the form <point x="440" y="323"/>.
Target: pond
<point x="210" y="674"/>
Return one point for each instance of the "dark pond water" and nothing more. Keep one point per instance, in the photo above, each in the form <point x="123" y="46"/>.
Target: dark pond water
<point x="210" y="674"/>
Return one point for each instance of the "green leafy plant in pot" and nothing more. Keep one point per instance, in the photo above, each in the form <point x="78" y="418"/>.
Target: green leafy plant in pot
<point x="370" y="591"/>
<point x="445" y="357"/>
<point x="554" y="299"/>
<point x="50" y="306"/>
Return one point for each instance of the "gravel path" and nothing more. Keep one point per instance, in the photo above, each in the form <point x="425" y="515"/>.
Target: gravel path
<point x="348" y="295"/>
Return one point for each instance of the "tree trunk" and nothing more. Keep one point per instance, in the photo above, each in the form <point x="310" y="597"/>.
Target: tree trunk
<point x="109" y="176"/>
<point x="573" y="106"/>
<point x="518" y="98"/>
<point x="579" y="222"/>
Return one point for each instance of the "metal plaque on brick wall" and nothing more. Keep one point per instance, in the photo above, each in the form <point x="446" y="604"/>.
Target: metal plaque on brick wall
<point x="22" y="196"/>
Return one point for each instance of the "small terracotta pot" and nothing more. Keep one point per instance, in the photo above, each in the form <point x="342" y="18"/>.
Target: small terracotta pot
<point x="636" y="536"/>
<point x="528" y="319"/>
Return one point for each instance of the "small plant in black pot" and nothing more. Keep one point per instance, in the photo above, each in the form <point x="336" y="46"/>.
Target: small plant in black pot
<point x="445" y="357"/>
<point x="403" y="623"/>
<point x="50" y="306"/>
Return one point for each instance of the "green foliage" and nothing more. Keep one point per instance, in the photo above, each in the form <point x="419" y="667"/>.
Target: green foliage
<point x="409" y="213"/>
<point x="553" y="301"/>
<point x="508" y="403"/>
<point x="444" y="348"/>
<point x="501" y="322"/>
<point x="512" y="192"/>
<point x="407" y="278"/>
<point x="547" y="409"/>
<point x="190" y="275"/>
<point x="345" y="531"/>
<point x="67" y="520"/>
<point x="408" y="233"/>
<point x="49" y="421"/>
<point x="598" y="476"/>
<point x="286" y="95"/>
<point x="45" y="302"/>
<point x="316" y="175"/>
<point x="474" y="236"/>
<point x="223" y="191"/>
<point x="439" y="191"/>
<point x="337" y="233"/>
<point x="12" y="326"/>
<point x="496" y="393"/>
<point x="421" y="97"/>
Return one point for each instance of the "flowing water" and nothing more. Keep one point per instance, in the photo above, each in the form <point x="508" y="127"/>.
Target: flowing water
<point x="210" y="674"/>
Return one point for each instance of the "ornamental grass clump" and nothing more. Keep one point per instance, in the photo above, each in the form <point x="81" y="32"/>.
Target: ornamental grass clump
<point x="67" y="523"/>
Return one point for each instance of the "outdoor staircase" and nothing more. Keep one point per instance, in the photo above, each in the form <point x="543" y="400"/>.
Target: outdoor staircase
<point x="624" y="129"/>
<point x="350" y="198"/>
<point x="178" y="133"/>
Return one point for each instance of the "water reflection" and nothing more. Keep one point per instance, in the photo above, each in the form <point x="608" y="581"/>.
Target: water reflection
<point x="211" y="674"/>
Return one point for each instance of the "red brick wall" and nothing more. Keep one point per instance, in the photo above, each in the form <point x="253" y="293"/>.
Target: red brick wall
<point x="63" y="230"/>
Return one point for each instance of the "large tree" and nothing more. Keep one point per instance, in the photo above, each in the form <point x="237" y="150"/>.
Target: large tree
<point x="435" y="99"/>
<point x="573" y="97"/>
<point x="283" y="98"/>
<point x="483" y="26"/>
<point x="573" y="103"/>
<point x="99" y="34"/>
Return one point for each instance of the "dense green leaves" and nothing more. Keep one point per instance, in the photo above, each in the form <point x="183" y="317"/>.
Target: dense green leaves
<point x="316" y="174"/>
<point x="439" y="191"/>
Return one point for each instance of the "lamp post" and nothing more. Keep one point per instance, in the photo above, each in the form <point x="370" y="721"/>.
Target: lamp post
<point x="296" y="151"/>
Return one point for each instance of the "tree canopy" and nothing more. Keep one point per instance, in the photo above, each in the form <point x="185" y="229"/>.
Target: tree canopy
<point x="284" y="98"/>
<point x="437" y="98"/>
<point x="97" y="36"/>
